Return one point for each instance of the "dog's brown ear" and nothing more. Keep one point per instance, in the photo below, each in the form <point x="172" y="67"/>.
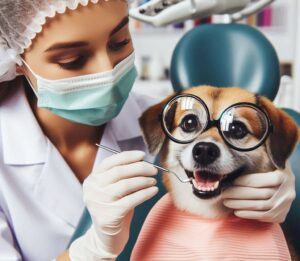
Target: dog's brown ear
<point x="150" y="123"/>
<point x="284" y="137"/>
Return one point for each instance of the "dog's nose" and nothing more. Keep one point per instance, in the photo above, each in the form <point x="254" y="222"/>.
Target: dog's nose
<point x="206" y="153"/>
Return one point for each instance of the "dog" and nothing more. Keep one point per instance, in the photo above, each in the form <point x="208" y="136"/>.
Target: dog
<point x="190" y="222"/>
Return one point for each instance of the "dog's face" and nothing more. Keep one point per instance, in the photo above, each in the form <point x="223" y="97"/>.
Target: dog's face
<point x="211" y="164"/>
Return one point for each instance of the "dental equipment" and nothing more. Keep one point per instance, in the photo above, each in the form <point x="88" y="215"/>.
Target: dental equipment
<point x="156" y="166"/>
<point x="165" y="12"/>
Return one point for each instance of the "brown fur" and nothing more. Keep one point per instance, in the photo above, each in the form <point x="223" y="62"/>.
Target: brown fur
<point x="284" y="138"/>
<point x="280" y="144"/>
<point x="150" y="122"/>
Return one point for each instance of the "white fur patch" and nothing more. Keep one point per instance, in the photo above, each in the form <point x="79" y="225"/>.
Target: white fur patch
<point x="182" y="193"/>
<point x="223" y="165"/>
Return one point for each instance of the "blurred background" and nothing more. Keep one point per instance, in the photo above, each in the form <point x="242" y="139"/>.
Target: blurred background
<point x="279" y="22"/>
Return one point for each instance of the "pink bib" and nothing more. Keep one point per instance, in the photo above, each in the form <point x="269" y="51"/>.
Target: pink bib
<point x="169" y="234"/>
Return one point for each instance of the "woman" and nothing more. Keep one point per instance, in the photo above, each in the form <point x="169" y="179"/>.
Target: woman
<point x="75" y="65"/>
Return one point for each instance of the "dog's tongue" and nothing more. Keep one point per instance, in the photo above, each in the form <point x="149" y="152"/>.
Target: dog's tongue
<point x="205" y="180"/>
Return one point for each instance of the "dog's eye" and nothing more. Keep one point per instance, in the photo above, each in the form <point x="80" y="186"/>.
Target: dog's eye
<point x="189" y="123"/>
<point x="237" y="130"/>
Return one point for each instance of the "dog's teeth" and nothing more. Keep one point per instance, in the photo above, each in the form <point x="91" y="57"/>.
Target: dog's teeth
<point x="206" y="188"/>
<point x="216" y="185"/>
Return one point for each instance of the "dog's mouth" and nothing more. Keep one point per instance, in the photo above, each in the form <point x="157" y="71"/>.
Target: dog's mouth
<point x="208" y="184"/>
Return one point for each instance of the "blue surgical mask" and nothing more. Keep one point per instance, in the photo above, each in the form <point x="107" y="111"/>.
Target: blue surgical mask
<point x="92" y="99"/>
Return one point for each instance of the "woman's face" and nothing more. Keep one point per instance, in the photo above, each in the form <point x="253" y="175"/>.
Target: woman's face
<point x="87" y="40"/>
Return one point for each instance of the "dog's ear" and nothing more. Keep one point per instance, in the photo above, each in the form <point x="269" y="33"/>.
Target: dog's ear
<point x="150" y="123"/>
<point x="285" y="135"/>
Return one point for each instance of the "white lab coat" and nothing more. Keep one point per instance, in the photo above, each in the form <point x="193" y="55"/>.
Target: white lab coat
<point x="40" y="197"/>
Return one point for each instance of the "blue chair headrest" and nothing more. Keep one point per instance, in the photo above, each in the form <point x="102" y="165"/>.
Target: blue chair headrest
<point x="226" y="55"/>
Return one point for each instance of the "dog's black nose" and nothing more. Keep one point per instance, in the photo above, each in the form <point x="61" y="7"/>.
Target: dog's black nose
<point x="206" y="153"/>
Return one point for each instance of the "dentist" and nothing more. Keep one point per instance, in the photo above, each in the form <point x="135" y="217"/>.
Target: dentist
<point x="66" y="74"/>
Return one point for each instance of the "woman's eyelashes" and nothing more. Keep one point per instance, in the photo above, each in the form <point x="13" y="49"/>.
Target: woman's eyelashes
<point x="80" y="60"/>
<point x="74" y="63"/>
<point x="117" y="46"/>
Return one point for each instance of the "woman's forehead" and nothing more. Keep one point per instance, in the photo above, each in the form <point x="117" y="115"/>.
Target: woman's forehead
<point x="93" y="22"/>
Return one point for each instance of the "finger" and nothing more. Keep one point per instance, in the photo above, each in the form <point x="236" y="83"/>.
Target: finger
<point x="260" y="180"/>
<point x="122" y="158"/>
<point x="137" y="198"/>
<point x="237" y="192"/>
<point x="125" y="187"/>
<point x="127" y="171"/>
<point x="247" y="204"/>
<point x="115" y="174"/>
<point x="256" y="215"/>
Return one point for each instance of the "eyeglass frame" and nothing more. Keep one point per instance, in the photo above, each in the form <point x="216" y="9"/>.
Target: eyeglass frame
<point x="216" y="123"/>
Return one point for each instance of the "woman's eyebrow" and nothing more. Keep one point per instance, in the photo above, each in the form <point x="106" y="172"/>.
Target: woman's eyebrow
<point x="123" y="23"/>
<point x="67" y="45"/>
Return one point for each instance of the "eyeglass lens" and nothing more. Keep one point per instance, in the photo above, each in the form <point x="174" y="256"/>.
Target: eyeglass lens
<point x="242" y="126"/>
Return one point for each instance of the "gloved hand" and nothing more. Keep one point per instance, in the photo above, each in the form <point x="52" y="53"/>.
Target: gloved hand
<point x="111" y="193"/>
<point x="263" y="196"/>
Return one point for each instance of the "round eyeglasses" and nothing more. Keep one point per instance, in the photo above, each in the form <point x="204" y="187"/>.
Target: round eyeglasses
<point x="243" y="126"/>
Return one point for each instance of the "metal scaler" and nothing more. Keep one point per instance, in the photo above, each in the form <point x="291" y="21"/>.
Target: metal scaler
<point x="156" y="166"/>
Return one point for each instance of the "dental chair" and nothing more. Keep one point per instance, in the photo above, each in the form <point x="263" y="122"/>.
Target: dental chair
<point x="291" y="225"/>
<point x="218" y="55"/>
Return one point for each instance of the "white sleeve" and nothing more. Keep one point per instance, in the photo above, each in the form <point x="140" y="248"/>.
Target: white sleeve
<point x="145" y="101"/>
<point x="7" y="248"/>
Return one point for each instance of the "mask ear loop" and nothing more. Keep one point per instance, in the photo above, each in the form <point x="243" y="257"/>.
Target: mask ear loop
<point x="30" y="83"/>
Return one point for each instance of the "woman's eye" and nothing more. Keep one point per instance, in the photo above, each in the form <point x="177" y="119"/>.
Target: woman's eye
<point x="189" y="123"/>
<point x="116" y="46"/>
<point x="75" y="64"/>
<point x="237" y="130"/>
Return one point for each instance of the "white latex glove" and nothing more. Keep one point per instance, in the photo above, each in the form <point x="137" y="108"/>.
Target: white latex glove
<point x="111" y="193"/>
<point x="263" y="196"/>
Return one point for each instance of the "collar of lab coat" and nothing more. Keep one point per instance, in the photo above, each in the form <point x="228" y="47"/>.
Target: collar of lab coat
<point x="22" y="138"/>
<point x="24" y="142"/>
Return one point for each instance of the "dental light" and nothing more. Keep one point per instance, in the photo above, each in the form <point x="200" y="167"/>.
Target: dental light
<point x="164" y="12"/>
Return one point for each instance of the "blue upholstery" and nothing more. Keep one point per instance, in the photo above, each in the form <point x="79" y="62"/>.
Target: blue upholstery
<point x="291" y="225"/>
<point x="85" y="223"/>
<point x="295" y="115"/>
<point x="226" y="55"/>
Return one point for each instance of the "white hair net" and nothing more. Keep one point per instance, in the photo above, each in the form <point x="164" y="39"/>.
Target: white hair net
<point x="20" y="22"/>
